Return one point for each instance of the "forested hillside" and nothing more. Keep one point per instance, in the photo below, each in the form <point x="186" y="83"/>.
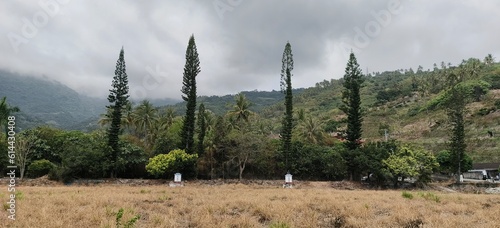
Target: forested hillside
<point x="405" y="104"/>
<point x="238" y="135"/>
<point x="220" y="105"/>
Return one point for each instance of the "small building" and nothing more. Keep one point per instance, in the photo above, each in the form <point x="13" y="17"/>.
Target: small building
<point x="487" y="170"/>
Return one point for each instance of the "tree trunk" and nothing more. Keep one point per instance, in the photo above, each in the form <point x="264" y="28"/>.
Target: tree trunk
<point x="22" y="169"/>
<point x="242" y="166"/>
<point x="241" y="172"/>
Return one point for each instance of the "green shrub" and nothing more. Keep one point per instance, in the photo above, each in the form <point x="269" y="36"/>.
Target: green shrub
<point x="129" y="224"/>
<point x="473" y="90"/>
<point x="485" y="111"/>
<point x="448" y="164"/>
<point x="497" y="104"/>
<point x="173" y="162"/>
<point x="40" y="168"/>
<point x="414" y="111"/>
<point x="493" y="78"/>
<point x="315" y="162"/>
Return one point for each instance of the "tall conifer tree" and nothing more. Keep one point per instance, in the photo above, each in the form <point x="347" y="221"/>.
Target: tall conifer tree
<point x="118" y="98"/>
<point x="191" y="70"/>
<point x="351" y="99"/>
<point x="286" y="88"/>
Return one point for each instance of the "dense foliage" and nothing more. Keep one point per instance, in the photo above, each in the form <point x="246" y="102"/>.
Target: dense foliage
<point x="176" y="161"/>
<point x="6" y="110"/>
<point x="40" y="168"/>
<point x="447" y="164"/>
<point x="409" y="162"/>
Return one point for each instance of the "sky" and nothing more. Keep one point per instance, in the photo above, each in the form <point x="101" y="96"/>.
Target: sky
<point x="240" y="42"/>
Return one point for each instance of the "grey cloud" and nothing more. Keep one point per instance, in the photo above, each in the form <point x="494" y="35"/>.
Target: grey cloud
<point x="242" y="50"/>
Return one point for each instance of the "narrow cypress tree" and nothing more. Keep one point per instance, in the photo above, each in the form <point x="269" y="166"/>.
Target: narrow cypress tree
<point x="286" y="88"/>
<point x="202" y="127"/>
<point x="191" y="70"/>
<point x="118" y="98"/>
<point x="456" y="108"/>
<point x="457" y="142"/>
<point x="351" y="99"/>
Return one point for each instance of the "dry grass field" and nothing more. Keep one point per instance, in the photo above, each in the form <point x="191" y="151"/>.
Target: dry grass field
<point x="238" y="205"/>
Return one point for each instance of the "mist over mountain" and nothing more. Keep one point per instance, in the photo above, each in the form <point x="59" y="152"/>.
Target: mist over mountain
<point x="49" y="102"/>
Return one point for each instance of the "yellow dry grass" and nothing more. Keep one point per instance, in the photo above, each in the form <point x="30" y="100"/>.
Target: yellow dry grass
<point x="237" y="205"/>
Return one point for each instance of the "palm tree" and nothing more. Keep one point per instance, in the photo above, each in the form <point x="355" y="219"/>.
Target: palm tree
<point x="264" y="127"/>
<point x="127" y="117"/>
<point x="166" y="119"/>
<point x="5" y="111"/>
<point x="301" y="115"/>
<point x="104" y="119"/>
<point x="209" y="120"/>
<point x="145" y="118"/>
<point x="312" y="130"/>
<point x="489" y="60"/>
<point x="240" y="109"/>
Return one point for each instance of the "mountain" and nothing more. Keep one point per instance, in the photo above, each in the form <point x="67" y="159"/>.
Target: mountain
<point x="47" y="102"/>
<point x="220" y="105"/>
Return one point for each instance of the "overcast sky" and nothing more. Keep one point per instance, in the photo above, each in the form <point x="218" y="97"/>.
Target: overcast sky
<point x="240" y="42"/>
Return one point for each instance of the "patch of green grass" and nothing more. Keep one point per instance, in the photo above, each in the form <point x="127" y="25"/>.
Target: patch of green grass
<point x="430" y="196"/>
<point x="145" y="191"/>
<point x="407" y="195"/>
<point x="19" y="195"/>
<point x="164" y="197"/>
<point x="279" y="225"/>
